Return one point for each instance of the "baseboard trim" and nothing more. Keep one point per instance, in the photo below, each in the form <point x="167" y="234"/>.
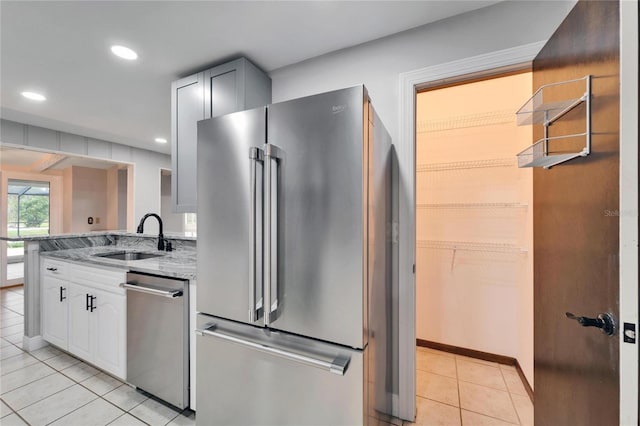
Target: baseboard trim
<point x="485" y="356"/>
<point x="527" y="386"/>
<point x="31" y="344"/>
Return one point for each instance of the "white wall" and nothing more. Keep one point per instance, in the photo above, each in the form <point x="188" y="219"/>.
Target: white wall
<point x="173" y="222"/>
<point x="88" y="199"/>
<point x="147" y="164"/>
<point x="146" y="195"/>
<point x="378" y="64"/>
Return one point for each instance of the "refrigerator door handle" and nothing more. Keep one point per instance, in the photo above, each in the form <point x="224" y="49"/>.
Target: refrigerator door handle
<point x="272" y="154"/>
<point x="255" y="155"/>
<point x="336" y="366"/>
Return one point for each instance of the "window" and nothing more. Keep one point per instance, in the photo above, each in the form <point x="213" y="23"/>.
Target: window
<point x="27" y="212"/>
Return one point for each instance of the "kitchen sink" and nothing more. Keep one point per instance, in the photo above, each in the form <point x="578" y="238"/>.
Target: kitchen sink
<point x="128" y="255"/>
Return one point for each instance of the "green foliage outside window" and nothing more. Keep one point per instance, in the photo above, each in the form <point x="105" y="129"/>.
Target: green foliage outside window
<point x="34" y="210"/>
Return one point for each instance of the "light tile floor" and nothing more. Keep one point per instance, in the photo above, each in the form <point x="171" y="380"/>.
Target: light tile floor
<point x="48" y="386"/>
<point x="457" y="390"/>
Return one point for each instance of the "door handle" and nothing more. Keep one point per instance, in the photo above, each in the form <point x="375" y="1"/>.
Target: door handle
<point x="255" y="155"/>
<point x="164" y="293"/>
<point x="62" y="297"/>
<point x="272" y="154"/>
<point x="338" y="365"/>
<point x="604" y="322"/>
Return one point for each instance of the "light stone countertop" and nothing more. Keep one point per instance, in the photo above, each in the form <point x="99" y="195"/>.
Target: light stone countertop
<point x="180" y="263"/>
<point x="82" y="248"/>
<point x="187" y="236"/>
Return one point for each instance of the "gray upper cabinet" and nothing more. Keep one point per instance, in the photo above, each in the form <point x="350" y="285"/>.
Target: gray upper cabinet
<point x="187" y="108"/>
<point x="230" y="87"/>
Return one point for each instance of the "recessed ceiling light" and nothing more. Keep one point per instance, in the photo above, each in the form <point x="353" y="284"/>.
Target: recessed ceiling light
<point x="161" y="140"/>
<point x="124" y="52"/>
<point x="34" y="96"/>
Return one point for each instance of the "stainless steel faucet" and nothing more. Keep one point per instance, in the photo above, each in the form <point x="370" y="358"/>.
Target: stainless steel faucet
<point x="160" y="235"/>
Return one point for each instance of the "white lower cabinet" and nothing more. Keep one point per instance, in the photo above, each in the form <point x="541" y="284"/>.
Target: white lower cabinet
<point x="110" y="328"/>
<point x="91" y="320"/>
<point x="55" y="296"/>
<point x="80" y="327"/>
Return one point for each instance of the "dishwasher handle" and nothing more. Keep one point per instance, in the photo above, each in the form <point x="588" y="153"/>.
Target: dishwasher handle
<point x="337" y="366"/>
<point x="163" y="293"/>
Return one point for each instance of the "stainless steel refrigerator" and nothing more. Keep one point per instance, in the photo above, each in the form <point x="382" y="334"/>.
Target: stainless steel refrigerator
<point x="295" y="293"/>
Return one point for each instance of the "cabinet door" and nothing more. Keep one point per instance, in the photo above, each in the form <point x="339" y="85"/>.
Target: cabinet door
<point x="235" y="86"/>
<point x="110" y="332"/>
<point x="80" y="329"/>
<point x="187" y="108"/>
<point x="224" y="89"/>
<point x="54" y="311"/>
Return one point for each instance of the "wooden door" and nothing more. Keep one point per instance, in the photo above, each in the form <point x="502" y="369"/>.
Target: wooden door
<point x="576" y="230"/>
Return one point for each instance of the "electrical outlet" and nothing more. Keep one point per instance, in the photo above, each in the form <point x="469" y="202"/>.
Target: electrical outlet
<point x="97" y="220"/>
<point x="90" y="220"/>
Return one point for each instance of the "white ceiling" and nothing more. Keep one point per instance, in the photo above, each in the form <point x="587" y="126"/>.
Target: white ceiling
<point x="61" y="48"/>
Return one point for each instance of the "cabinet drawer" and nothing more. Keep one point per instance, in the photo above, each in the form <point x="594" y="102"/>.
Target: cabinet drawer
<point x="106" y="279"/>
<point x="55" y="269"/>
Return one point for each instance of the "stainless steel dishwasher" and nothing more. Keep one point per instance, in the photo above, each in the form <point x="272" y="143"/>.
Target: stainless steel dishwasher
<point x="158" y="336"/>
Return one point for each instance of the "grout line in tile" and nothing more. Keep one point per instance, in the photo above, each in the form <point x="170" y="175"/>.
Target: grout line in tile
<point x="9" y="309"/>
<point x="35" y="402"/>
<point x="438" y="374"/>
<point x="135" y="407"/>
<point x="435" y="400"/>
<point x="71" y="378"/>
<point x="101" y="397"/>
<point x="21" y="418"/>
<point x="511" y="398"/>
<point x="124" y="414"/>
<point x="133" y="415"/>
<point x="66" y="414"/>
<point x="458" y="387"/>
<point x="506" y="390"/>
<point x="496" y="418"/>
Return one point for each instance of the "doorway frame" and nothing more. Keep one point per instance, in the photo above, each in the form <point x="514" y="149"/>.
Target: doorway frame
<point x="629" y="225"/>
<point x="497" y="62"/>
<point x="485" y="65"/>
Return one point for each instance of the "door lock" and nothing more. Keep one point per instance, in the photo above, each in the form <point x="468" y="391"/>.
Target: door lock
<point x="604" y="322"/>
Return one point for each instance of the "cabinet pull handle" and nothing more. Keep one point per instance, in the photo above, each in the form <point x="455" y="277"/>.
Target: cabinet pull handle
<point x="93" y="308"/>
<point x="52" y="269"/>
<point x="62" y="296"/>
<point x="87" y="302"/>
